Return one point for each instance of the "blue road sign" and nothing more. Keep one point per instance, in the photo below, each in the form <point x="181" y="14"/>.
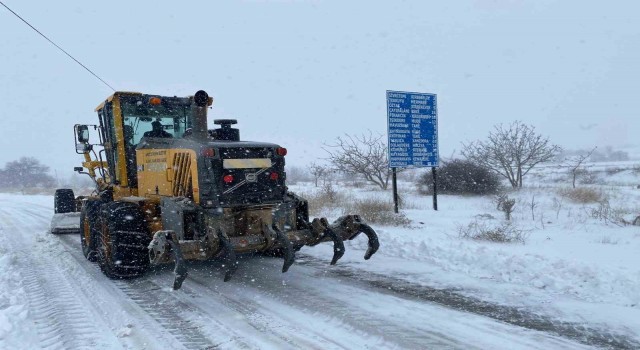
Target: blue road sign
<point x="413" y="129"/>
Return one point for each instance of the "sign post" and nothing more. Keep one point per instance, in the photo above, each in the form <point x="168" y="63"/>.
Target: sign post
<point x="435" y="188"/>
<point x="412" y="121"/>
<point x="394" y="183"/>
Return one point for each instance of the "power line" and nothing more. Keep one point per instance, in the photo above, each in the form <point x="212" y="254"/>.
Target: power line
<point x="56" y="45"/>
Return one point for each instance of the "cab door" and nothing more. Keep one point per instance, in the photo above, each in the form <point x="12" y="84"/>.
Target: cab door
<point x="111" y="119"/>
<point x="105" y="114"/>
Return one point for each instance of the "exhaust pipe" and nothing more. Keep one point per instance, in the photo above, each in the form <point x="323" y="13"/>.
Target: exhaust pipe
<point x="199" y="112"/>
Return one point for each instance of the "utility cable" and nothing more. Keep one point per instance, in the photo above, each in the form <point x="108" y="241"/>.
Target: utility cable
<point x="56" y="45"/>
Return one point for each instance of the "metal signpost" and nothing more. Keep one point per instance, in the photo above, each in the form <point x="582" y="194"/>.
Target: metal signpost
<point x="412" y="120"/>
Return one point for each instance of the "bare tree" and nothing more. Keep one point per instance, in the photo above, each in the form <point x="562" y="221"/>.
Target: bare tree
<point x="27" y="172"/>
<point x="575" y="163"/>
<point x="365" y="155"/>
<point x="511" y="151"/>
<point x="318" y="171"/>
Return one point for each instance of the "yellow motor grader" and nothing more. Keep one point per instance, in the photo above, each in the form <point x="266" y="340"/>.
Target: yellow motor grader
<point x="168" y="189"/>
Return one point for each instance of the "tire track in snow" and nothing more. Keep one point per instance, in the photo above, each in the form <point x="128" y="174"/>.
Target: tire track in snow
<point x="163" y="308"/>
<point x="60" y="318"/>
<point x="156" y="305"/>
<point x="450" y="298"/>
<point x="321" y="307"/>
<point x="328" y="308"/>
<point x="255" y="317"/>
<point x="151" y="300"/>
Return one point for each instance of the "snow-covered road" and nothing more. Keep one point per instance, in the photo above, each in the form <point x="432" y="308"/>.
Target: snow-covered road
<point x="52" y="298"/>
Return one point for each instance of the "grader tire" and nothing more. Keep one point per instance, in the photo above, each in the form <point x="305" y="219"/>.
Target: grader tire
<point x="122" y="241"/>
<point x="64" y="201"/>
<point x="89" y="231"/>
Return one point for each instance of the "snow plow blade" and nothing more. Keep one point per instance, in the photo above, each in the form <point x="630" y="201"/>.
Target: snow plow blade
<point x="65" y="223"/>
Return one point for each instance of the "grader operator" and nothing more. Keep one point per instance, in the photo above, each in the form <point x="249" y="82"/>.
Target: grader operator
<point x="168" y="189"/>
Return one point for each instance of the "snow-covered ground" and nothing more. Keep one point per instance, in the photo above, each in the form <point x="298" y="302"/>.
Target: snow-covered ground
<point x="574" y="266"/>
<point x="575" y="281"/>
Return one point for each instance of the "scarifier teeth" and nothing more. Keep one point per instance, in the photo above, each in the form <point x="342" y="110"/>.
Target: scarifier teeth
<point x="230" y="261"/>
<point x="373" y="243"/>
<point x="287" y="248"/>
<point x="181" y="269"/>
<point x="338" y="245"/>
<point x="177" y="282"/>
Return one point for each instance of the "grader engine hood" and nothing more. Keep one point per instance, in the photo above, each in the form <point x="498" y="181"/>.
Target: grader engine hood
<point x="213" y="173"/>
<point x="249" y="174"/>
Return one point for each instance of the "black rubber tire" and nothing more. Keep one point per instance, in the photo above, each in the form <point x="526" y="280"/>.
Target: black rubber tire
<point x="122" y="241"/>
<point x="89" y="228"/>
<point x="80" y="202"/>
<point x="64" y="201"/>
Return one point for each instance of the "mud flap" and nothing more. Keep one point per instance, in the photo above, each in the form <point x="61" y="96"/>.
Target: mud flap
<point x="229" y="259"/>
<point x="288" y="253"/>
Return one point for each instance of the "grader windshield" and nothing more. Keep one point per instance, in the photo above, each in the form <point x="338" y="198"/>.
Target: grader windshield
<point x="155" y="117"/>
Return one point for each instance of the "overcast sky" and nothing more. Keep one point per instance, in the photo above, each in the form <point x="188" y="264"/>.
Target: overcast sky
<point x="299" y="73"/>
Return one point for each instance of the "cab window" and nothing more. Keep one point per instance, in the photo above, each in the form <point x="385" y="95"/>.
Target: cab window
<point x="142" y="119"/>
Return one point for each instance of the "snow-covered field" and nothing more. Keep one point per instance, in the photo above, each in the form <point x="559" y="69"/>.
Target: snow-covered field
<point x="574" y="283"/>
<point x="574" y="266"/>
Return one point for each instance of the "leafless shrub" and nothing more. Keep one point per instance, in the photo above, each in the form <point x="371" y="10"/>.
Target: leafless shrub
<point x="506" y="205"/>
<point x="460" y="176"/>
<point x="575" y="163"/>
<point x="376" y="211"/>
<point x="586" y="177"/>
<point x="499" y="198"/>
<point x="533" y="205"/>
<point x="582" y="195"/>
<point x="326" y="198"/>
<point x="329" y="192"/>
<point x="503" y="233"/>
<point x="606" y="213"/>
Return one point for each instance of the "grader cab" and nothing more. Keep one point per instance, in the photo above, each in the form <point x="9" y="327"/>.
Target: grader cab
<point x="169" y="190"/>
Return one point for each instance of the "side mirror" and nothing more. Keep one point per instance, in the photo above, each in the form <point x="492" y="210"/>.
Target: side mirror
<point x="82" y="133"/>
<point x="83" y="147"/>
